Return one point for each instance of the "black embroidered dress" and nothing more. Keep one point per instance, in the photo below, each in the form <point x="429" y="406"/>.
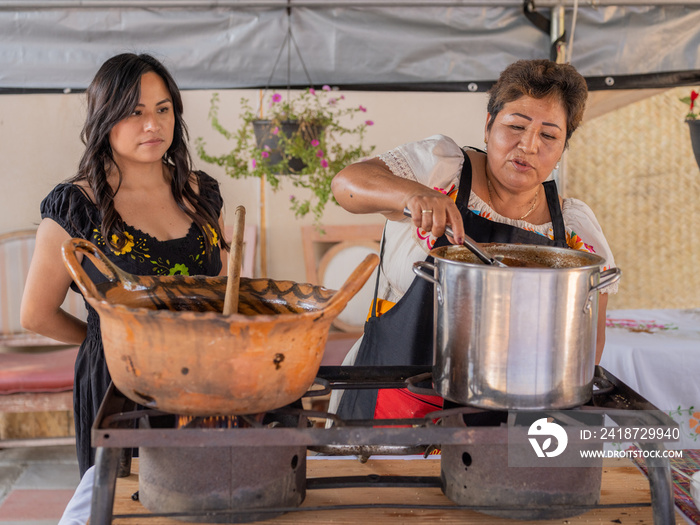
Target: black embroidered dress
<point x="143" y="255"/>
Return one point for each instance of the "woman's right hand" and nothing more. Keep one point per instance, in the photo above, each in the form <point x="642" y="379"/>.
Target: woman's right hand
<point x="432" y="211"/>
<point x="46" y="288"/>
<point x="370" y="187"/>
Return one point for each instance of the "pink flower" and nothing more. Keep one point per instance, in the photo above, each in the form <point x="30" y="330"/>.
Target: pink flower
<point x="312" y="91"/>
<point x="253" y="163"/>
<point x="693" y="96"/>
<point x="275" y="130"/>
<point x="315" y="142"/>
<point x="326" y="87"/>
<point x="291" y="197"/>
<point x="363" y="109"/>
<point x="319" y="153"/>
<point x="276" y="97"/>
<point x="324" y="163"/>
<point x="444" y="191"/>
<point x="265" y="154"/>
<point x="369" y="122"/>
<point x="332" y="101"/>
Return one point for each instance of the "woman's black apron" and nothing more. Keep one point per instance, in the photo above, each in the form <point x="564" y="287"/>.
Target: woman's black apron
<point x="404" y="335"/>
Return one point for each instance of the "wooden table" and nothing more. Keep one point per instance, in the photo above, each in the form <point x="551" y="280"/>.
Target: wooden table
<point x="622" y="482"/>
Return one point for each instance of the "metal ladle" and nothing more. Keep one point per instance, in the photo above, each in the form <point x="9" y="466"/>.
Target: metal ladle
<point x="470" y="243"/>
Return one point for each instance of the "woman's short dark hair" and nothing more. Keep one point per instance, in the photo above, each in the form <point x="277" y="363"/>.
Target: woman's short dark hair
<point x="541" y="79"/>
<point x="112" y="96"/>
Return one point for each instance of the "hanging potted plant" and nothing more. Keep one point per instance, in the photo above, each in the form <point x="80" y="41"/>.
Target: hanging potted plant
<point x="693" y="122"/>
<point x="297" y="136"/>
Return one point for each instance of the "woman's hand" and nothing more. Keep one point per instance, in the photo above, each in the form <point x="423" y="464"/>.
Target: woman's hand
<point x="370" y="187"/>
<point x="46" y="288"/>
<point x="432" y="211"/>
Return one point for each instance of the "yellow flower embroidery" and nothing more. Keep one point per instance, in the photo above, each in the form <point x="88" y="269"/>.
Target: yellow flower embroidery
<point x="127" y="247"/>
<point x="214" y="236"/>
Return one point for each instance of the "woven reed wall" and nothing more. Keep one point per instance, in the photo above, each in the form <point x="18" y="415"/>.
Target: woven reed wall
<point x="635" y="168"/>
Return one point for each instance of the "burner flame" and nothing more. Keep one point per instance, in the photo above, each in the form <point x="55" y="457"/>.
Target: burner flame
<point x="209" y="422"/>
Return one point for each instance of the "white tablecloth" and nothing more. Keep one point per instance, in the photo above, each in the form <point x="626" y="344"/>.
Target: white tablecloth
<point x="657" y="353"/>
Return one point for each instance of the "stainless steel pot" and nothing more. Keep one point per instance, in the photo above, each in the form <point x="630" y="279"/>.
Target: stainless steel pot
<point x="517" y="337"/>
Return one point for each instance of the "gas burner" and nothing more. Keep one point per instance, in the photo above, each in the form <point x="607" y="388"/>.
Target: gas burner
<point x="260" y="464"/>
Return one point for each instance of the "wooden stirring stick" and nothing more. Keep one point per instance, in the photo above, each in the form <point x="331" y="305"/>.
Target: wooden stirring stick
<point x="234" y="263"/>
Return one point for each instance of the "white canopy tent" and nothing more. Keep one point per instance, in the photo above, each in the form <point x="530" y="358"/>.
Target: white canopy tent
<point x="442" y="45"/>
<point x="626" y="49"/>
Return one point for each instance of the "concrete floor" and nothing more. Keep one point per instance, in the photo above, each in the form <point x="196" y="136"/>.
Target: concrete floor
<point x="36" y="484"/>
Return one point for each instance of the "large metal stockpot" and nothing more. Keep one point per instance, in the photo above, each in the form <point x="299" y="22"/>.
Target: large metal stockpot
<point x="518" y="337"/>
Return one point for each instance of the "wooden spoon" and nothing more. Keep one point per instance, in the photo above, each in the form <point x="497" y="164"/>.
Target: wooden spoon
<point x="234" y="263"/>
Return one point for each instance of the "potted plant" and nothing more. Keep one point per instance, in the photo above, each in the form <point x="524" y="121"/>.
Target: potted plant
<point x="693" y="122"/>
<point x="308" y="136"/>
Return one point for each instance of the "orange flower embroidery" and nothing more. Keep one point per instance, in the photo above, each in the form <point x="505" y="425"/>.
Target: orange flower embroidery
<point x="575" y="242"/>
<point x="694" y="422"/>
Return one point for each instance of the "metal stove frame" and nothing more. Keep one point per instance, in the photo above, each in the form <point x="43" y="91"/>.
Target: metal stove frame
<point x="114" y="434"/>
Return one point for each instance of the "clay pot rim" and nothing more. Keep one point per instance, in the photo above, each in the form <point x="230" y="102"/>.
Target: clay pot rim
<point x="103" y="304"/>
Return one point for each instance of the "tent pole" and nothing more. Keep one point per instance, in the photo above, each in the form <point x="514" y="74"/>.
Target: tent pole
<point x="263" y="213"/>
<point x="558" y="41"/>
<point x="557" y="32"/>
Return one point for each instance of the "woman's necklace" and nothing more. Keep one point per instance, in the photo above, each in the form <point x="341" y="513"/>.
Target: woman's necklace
<point x="527" y="213"/>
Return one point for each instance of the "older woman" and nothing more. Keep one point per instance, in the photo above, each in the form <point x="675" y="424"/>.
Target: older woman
<point x="502" y="195"/>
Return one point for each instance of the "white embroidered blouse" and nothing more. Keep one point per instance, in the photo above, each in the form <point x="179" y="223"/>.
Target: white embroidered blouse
<point x="437" y="163"/>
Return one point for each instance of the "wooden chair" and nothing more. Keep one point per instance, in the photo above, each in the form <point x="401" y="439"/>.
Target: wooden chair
<point x="317" y="244"/>
<point x="16" y="249"/>
<point x="31" y="381"/>
<point x="322" y="253"/>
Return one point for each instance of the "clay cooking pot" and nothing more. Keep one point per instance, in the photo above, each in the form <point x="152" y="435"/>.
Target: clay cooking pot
<point x="168" y="346"/>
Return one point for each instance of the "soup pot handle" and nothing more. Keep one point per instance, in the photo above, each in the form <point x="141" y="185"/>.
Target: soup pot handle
<point x="607" y="277"/>
<point x="603" y="385"/>
<point x="419" y="268"/>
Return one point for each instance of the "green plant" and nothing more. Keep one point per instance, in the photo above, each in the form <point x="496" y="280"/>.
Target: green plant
<point x="692" y="115"/>
<point x="325" y="139"/>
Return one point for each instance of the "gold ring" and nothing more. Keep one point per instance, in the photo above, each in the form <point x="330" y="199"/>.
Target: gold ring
<point x="427" y="211"/>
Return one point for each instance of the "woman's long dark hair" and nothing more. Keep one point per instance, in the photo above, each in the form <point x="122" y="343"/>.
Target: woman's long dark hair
<point x="111" y="97"/>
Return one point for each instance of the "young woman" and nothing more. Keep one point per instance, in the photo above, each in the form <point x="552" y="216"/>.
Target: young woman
<point x="137" y="198"/>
